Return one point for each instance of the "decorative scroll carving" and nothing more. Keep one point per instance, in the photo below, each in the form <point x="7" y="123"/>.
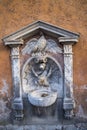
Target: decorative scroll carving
<point x="42" y="45"/>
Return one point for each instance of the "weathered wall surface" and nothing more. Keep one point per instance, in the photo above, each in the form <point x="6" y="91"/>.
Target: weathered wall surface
<point x="71" y="15"/>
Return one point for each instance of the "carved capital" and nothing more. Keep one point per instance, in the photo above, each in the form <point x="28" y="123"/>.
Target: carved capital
<point x="15" y="52"/>
<point x="67" y="43"/>
<point x="67" y="50"/>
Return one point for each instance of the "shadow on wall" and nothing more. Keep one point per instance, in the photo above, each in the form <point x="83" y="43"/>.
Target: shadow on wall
<point x="81" y="101"/>
<point x="4" y="101"/>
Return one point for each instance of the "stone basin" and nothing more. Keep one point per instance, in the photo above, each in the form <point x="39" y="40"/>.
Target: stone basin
<point x="42" y="98"/>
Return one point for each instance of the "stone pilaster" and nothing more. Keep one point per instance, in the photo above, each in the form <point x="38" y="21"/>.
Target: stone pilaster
<point x="17" y="103"/>
<point x="68" y="102"/>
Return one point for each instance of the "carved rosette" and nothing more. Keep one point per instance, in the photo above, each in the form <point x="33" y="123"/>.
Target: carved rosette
<point x="68" y="103"/>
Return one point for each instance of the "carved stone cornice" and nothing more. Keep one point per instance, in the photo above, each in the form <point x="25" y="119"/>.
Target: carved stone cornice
<point x="33" y="28"/>
<point x="14" y="43"/>
<point x="68" y="40"/>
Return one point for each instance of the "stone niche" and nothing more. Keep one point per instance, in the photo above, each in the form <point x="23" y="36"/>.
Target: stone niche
<point x="42" y="73"/>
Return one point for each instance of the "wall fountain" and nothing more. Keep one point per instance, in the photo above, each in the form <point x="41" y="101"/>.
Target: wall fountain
<point x="42" y="74"/>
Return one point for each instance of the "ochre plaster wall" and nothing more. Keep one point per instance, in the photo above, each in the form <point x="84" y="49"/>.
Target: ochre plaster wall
<point x="68" y="14"/>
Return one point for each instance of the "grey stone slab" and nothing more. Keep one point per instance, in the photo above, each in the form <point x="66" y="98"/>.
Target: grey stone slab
<point x="81" y="126"/>
<point x="14" y="127"/>
<point x="69" y="127"/>
<point x="42" y="127"/>
<point x="2" y="128"/>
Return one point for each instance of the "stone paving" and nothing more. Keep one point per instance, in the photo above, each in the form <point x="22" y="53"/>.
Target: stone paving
<point x="80" y="126"/>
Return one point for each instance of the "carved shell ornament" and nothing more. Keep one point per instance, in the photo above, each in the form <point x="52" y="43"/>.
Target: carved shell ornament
<point x="41" y="45"/>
